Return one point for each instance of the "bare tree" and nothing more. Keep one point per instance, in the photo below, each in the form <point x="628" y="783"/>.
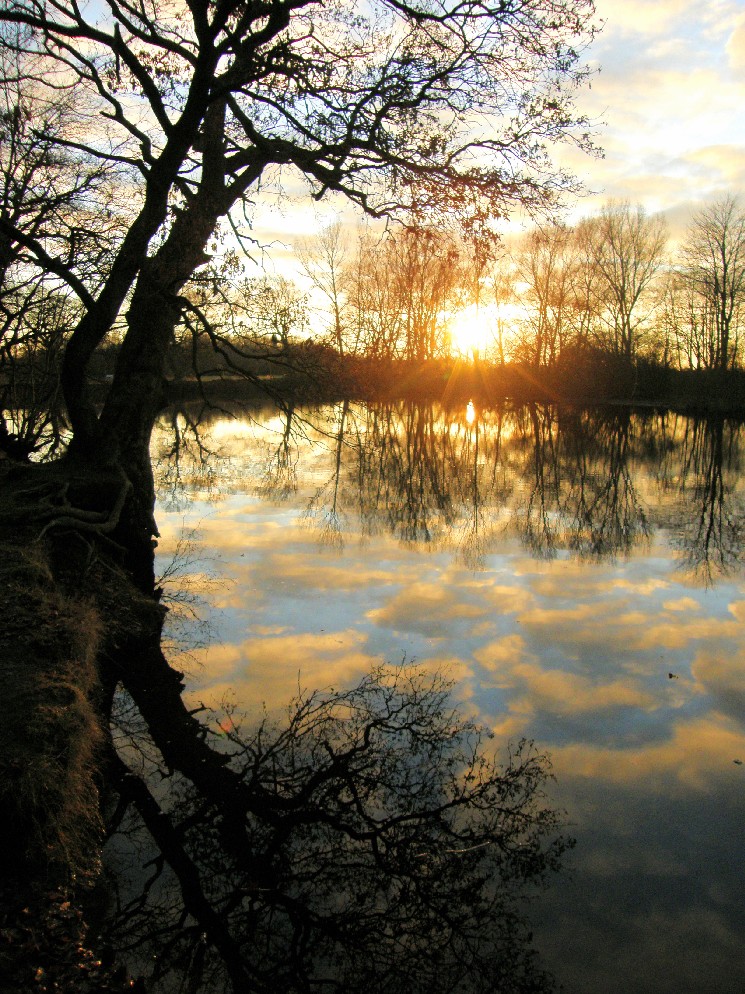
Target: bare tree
<point x="686" y="324"/>
<point x="402" y="288"/>
<point x="713" y="277"/>
<point x="370" y="842"/>
<point x="325" y="260"/>
<point x="546" y="268"/>
<point x="64" y="205"/>
<point x="192" y="107"/>
<point x="626" y="250"/>
<point x="201" y="102"/>
<point x="427" y="270"/>
<point x="498" y="296"/>
<point x="373" y="299"/>
<point x="275" y="310"/>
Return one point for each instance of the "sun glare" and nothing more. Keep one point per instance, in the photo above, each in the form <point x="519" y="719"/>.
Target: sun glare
<point x="474" y="330"/>
<point x="470" y="331"/>
<point x="477" y="330"/>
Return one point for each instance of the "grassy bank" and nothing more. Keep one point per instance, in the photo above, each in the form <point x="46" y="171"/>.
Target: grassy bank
<point x="52" y="742"/>
<point x="50" y="732"/>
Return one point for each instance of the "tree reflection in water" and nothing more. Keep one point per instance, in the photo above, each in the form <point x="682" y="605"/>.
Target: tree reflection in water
<point x="348" y="848"/>
<point x="558" y="478"/>
<point x="711" y="538"/>
<point x="369" y="842"/>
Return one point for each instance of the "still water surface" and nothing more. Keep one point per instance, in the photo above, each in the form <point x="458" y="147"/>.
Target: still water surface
<point x="581" y="578"/>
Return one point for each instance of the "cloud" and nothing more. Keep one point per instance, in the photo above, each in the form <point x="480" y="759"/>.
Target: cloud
<point x="508" y="727"/>
<point x="503" y="654"/>
<point x="427" y="608"/>
<point x="682" y="604"/>
<point x="573" y="624"/>
<point x="562" y="693"/>
<point x="641" y="18"/>
<point x="724" y="164"/>
<point x="736" y="48"/>
<point x="454" y="669"/>
<point x="627" y="629"/>
<point x="216" y="663"/>
<point x="670" y="85"/>
<point x="585" y="586"/>
<point x="270" y="670"/>
<point x="310" y="571"/>
<point x="698" y="755"/>
<point x="678" y="633"/>
<point x="737" y="610"/>
<point x="537" y="687"/>
<point x="723" y="676"/>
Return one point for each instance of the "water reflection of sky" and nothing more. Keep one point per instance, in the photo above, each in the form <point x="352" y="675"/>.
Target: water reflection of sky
<point x="574" y="653"/>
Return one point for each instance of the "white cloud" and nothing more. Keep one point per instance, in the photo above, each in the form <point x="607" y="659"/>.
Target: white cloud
<point x="670" y="93"/>
<point x="642" y="18"/>
<point x="736" y="48"/>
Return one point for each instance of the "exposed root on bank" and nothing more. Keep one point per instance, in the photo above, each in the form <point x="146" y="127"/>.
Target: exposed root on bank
<point x="82" y="520"/>
<point x="87" y="504"/>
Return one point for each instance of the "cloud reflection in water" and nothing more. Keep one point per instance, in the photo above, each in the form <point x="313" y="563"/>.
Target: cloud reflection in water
<point x="594" y="582"/>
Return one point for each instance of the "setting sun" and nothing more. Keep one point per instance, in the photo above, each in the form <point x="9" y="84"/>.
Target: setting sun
<point x="477" y="330"/>
<point x="472" y="330"/>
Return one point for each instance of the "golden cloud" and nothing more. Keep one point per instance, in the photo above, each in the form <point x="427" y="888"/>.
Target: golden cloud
<point x="427" y="608"/>
<point x="737" y="610"/>
<point x="630" y="630"/>
<point x="723" y="676"/>
<point x="682" y="604"/>
<point x="697" y="756"/>
<point x="270" y="670"/>
<point x="502" y="655"/>
<point x="509" y="727"/>
<point x="563" y="693"/>
<point x="315" y="574"/>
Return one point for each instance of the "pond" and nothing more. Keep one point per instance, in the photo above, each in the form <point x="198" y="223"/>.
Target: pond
<point x="580" y="577"/>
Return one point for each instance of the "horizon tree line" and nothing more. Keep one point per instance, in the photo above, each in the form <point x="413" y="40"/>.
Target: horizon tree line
<point x="611" y="284"/>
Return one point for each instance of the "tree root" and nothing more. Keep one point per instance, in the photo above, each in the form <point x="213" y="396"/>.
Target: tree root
<point x="47" y="505"/>
<point x="80" y="519"/>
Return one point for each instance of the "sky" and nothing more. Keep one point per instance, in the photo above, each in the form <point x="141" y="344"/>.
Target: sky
<point x="670" y="92"/>
<point x="668" y="98"/>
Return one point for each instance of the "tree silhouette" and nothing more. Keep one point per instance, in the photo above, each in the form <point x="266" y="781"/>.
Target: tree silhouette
<point x="189" y="109"/>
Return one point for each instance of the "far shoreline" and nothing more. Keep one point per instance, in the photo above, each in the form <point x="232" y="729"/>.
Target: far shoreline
<point x="611" y="382"/>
